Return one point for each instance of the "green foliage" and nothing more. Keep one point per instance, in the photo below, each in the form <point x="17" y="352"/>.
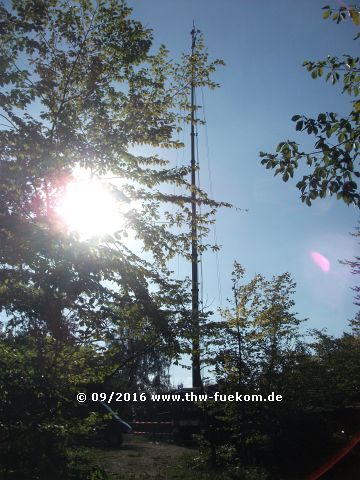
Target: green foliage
<point x="88" y="90"/>
<point x="98" y="474"/>
<point x="39" y="380"/>
<point x="342" y="13"/>
<point x="260" y="330"/>
<point x="251" y="354"/>
<point x="258" y="348"/>
<point x="337" y="362"/>
<point x="354" y="265"/>
<point x="334" y="163"/>
<point x="196" y="468"/>
<point x="80" y="86"/>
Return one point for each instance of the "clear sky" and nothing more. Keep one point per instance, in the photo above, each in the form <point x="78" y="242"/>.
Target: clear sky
<point x="263" y="44"/>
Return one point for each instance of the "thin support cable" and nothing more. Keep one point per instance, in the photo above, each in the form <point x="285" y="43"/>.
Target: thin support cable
<point x="207" y="149"/>
<point x="182" y="161"/>
<point x="200" y="235"/>
<point x="173" y="205"/>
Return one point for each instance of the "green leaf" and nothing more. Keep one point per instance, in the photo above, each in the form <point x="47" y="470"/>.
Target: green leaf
<point x="355" y="16"/>
<point x="341" y="137"/>
<point x="348" y="146"/>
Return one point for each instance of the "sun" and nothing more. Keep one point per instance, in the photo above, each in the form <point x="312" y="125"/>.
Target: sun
<point x="88" y="208"/>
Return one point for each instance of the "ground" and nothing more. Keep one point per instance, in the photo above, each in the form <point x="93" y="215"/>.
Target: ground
<point x="140" y="459"/>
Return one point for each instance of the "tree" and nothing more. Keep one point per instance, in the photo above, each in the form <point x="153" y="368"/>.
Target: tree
<point x="337" y="360"/>
<point x="261" y="329"/>
<point x="253" y="351"/>
<point x="80" y="87"/>
<point x="260" y="349"/>
<point x="38" y="413"/>
<point x="89" y="89"/>
<point x="355" y="268"/>
<point x="334" y="163"/>
<point x="354" y="265"/>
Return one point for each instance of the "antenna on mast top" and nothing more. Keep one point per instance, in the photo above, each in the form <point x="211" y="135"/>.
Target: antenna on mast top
<point x="193" y="29"/>
<point x="193" y="36"/>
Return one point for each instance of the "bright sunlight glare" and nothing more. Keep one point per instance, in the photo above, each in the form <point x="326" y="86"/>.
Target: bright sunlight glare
<point x="87" y="208"/>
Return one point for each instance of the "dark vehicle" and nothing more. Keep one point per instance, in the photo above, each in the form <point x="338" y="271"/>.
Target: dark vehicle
<point x="110" y="427"/>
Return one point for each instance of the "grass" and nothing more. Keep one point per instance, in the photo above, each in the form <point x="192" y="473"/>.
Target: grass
<point x="187" y="468"/>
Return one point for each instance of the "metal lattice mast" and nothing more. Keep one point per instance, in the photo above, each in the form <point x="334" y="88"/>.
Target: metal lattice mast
<point x="196" y="375"/>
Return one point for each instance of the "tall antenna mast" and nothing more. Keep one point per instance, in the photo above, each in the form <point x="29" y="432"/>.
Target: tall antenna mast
<point x="196" y="375"/>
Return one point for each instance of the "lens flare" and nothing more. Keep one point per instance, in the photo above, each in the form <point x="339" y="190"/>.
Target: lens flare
<point x="322" y="262"/>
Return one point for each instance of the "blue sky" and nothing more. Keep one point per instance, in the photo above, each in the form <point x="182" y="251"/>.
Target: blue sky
<point x="262" y="86"/>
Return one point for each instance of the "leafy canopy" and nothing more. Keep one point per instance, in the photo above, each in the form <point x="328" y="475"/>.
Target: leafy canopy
<point x="334" y="163"/>
<point x="80" y="86"/>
